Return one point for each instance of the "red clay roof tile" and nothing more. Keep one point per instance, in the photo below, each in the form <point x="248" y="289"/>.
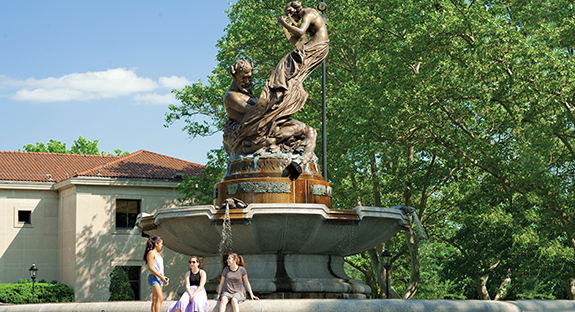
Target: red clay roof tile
<point x="53" y="167"/>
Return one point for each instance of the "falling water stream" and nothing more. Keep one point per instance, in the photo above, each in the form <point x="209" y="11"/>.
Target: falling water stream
<point x="130" y="239"/>
<point x="415" y="224"/>
<point x="225" y="246"/>
<point x="420" y="232"/>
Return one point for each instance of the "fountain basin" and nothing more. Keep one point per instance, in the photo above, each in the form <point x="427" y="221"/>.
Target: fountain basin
<point x="290" y="250"/>
<point x="273" y="228"/>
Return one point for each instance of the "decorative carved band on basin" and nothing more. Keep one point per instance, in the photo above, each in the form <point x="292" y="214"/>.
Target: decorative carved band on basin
<point x="240" y="216"/>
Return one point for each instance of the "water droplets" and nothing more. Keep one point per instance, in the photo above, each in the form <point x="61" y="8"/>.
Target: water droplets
<point x="225" y="246"/>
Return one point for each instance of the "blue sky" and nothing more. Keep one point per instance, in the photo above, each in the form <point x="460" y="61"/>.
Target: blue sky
<point x="104" y="70"/>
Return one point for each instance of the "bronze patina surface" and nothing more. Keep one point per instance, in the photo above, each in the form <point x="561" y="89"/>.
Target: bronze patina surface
<point x="272" y="155"/>
<point x="267" y="181"/>
<point x="264" y="125"/>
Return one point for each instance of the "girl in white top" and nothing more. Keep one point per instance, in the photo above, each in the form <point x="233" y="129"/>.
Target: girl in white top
<point x="156" y="278"/>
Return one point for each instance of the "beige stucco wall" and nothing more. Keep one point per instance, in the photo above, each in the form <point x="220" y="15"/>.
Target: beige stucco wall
<point x="73" y="238"/>
<point x="66" y="236"/>
<point x="23" y="245"/>
<point x="100" y="247"/>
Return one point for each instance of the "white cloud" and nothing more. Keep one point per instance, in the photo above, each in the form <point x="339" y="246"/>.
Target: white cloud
<point x="48" y="95"/>
<point x="7" y="82"/>
<point x="155" y="98"/>
<point x="174" y="82"/>
<point x="111" y="83"/>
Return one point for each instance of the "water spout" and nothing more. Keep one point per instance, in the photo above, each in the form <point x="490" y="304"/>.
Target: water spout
<point x="225" y="246"/>
<point x="415" y="224"/>
<point x="419" y="230"/>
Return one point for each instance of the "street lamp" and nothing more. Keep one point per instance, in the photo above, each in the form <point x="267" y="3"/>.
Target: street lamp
<point x="386" y="256"/>
<point x="322" y="7"/>
<point x="33" y="269"/>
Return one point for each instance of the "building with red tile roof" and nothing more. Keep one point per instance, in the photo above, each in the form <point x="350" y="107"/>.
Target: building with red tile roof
<point x="73" y="216"/>
<point x="53" y="167"/>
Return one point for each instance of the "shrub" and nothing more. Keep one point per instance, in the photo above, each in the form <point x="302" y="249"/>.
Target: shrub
<point x="21" y="292"/>
<point x="120" y="288"/>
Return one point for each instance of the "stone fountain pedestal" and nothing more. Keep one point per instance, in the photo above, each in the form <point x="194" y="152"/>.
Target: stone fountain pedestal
<point x="296" y="276"/>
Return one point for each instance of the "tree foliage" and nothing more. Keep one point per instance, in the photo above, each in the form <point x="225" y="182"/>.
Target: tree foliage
<point x="463" y="110"/>
<point x="81" y="146"/>
<point x="199" y="190"/>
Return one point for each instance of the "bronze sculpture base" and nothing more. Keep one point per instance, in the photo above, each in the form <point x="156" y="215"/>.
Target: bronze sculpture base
<point x="270" y="180"/>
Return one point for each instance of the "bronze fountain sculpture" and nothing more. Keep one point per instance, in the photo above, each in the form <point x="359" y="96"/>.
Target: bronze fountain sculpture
<point x="261" y="138"/>
<point x="265" y="124"/>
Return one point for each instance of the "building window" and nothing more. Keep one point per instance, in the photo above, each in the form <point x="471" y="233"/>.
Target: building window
<point x="127" y="211"/>
<point x="24" y="216"/>
<point x="133" y="273"/>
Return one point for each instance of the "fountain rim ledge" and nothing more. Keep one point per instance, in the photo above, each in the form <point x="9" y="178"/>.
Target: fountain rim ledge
<point x="252" y="209"/>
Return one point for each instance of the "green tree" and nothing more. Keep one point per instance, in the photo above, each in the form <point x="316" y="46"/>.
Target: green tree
<point x="199" y="190"/>
<point x="81" y="146"/>
<point x="85" y="147"/>
<point x="52" y="146"/>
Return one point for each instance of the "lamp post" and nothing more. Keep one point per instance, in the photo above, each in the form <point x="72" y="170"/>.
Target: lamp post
<point x="322" y="7"/>
<point x="33" y="269"/>
<point x="386" y="256"/>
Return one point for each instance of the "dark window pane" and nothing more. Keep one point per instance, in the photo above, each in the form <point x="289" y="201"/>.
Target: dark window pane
<point x="132" y="220"/>
<point x="133" y="273"/>
<point x="126" y="213"/>
<point x="133" y="211"/>
<point x="24" y="216"/>
<point x="121" y="213"/>
<point x="121" y="206"/>
<point x="121" y="220"/>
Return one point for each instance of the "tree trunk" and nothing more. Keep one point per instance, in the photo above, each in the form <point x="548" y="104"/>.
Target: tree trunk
<point x="375" y="182"/>
<point x="570" y="281"/>
<point x="410" y="236"/>
<point x="570" y="287"/>
<point x="413" y="246"/>
<point x="502" y="291"/>
<point x="407" y="193"/>
<point x="378" y="271"/>
<point x="481" y="286"/>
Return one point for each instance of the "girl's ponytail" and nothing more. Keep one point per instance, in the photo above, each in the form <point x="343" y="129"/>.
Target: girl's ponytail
<point x="151" y="244"/>
<point x="241" y="261"/>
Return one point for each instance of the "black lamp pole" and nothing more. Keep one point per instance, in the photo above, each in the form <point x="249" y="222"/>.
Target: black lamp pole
<point x="33" y="269"/>
<point x="323" y="7"/>
<point x="386" y="255"/>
